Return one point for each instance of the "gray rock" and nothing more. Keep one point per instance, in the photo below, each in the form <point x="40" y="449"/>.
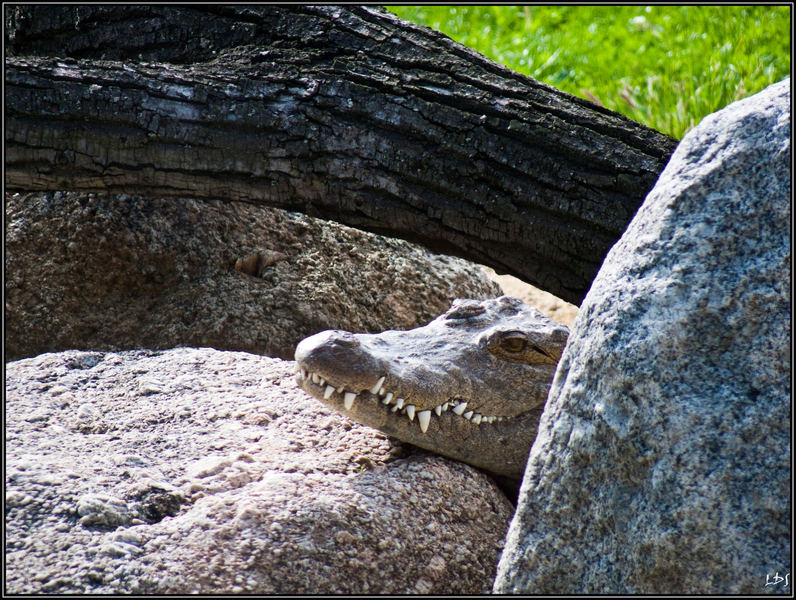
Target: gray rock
<point x="110" y="272"/>
<point x="662" y="463"/>
<point x="211" y="472"/>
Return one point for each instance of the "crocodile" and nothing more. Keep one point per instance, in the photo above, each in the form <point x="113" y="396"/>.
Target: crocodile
<point x="470" y="385"/>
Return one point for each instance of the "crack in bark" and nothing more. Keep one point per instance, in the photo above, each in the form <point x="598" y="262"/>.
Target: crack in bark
<point x="343" y="112"/>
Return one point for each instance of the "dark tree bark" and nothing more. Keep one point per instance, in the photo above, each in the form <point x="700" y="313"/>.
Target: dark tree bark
<point x="348" y="114"/>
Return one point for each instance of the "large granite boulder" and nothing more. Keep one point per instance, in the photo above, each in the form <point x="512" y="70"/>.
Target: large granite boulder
<point x="114" y="272"/>
<point x="662" y="463"/>
<point x="199" y="471"/>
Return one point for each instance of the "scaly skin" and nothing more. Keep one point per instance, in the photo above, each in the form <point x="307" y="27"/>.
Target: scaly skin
<point x="497" y="356"/>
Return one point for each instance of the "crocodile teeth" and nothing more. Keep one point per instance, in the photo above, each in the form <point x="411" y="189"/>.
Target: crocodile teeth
<point x="399" y="403"/>
<point x="315" y="378"/>
<point x="477" y="419"/>
<point x="424" y="417"/>
<point x="410" y="411"/>
<point x="340" y="390"/>
<point x="387" y="398"/>
<point x="499" y="418"/>
<point x="381" y="391"/>
<point x="348" y="401"/>
<point x="445" y="406"/>
<point x="491" y="419"/>
<point x="329" y="391"/>
<point x="468" y="415"/>
<point x="394" y="408"/>
<point x="304" y="374"/>
<point x="297" y="368"/>
<point x="438" y="410"/>
<point x="322" y="382"/>
<point x="375" y="389"/>
<point x="459" y="409"/>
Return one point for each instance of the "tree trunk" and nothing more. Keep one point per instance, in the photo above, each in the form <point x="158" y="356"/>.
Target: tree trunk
<point x="348" y="114"/>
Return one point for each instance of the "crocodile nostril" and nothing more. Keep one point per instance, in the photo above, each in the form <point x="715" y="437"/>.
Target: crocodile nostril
<point x="346" y="340"/>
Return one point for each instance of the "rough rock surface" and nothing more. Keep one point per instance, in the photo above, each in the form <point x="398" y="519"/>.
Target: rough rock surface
<point x="193" y="470"/>
<point x="111" y="272"/>
<point x="662" y="463"/>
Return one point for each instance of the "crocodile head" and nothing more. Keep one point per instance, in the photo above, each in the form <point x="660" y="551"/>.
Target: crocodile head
<point x="470" y="385"/>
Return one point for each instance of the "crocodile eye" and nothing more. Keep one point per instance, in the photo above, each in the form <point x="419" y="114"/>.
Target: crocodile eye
<point x="513" y="344"/>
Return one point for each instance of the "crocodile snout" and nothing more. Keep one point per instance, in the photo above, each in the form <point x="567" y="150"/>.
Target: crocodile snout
<point x="331" y="352"/>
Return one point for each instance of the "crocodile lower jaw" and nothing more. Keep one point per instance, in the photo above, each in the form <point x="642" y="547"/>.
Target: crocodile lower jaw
<point x="317" y="385"/>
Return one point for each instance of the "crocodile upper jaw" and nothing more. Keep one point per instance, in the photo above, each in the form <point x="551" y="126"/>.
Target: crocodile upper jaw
<point x="495" y="443"/>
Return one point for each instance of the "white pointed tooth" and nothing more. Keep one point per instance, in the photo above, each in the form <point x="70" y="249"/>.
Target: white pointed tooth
<point x="375" y="389"/>
<point x="323" y="381"/>
<point x="315" y="378"/>
<point x="438" y="410"/>
<point x="387" y="398"/>
<point x="340" y="390"/>
<point x="424" y="417"/>
<point x="304" y="374"/>
<point x="445" y="406"/>
<point x="410" y="410"/>
<point x="468" y="415"/>
<point x="329" y="391"/>
<point x="500" y="419"/>
<point x="385" y="401"/>
<point x="296" y="368"/>
<point x="491" y="419"/>
<point x="381" y="391"/>
<point x="459" y="408"/>
<point x="394" y="408"/>
<point x="399" y="403"/>
<point x="348" y="400"/>
<point x="477" y="419"/>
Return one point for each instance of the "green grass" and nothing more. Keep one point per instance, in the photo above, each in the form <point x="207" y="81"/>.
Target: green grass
<point x="664" y="66"/>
